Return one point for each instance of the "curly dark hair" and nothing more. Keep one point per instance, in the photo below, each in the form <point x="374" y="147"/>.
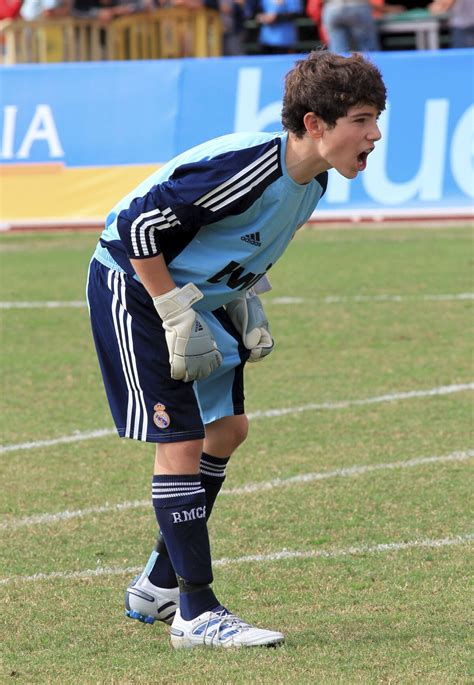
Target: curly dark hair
<point x="329" y="85"/>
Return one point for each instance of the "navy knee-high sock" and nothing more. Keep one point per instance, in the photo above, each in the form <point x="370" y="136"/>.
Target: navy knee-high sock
<point x="159" y="567"/>
<point x="180" y="508"/>
<point x="212" y="478"/>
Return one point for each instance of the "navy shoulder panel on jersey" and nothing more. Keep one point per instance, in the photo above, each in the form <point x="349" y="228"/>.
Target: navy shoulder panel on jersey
<point x="322" y="179"/>
<point x="198" y="193"/>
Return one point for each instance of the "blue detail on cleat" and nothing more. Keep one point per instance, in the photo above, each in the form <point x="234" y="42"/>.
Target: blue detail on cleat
<point x="140" y="617"/>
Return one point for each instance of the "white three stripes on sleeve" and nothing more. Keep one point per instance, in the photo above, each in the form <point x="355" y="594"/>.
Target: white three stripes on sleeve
<point x="145" y="226"/>
<point x="242" y="182"/>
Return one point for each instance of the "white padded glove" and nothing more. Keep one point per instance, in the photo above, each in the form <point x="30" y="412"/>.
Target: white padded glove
<point x="193" y="350"/>
<point x="249" y="318"/>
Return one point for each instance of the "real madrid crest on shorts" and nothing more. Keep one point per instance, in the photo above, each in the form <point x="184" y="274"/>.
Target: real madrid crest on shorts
<point x="160" y="418"/>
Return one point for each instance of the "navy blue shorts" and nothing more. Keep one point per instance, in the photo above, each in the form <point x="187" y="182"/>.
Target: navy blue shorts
<point x="146" y="403"/>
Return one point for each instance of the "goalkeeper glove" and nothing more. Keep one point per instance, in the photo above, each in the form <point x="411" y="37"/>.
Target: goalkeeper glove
<point x="192" y="349"/>
<point x="248" y="316"/>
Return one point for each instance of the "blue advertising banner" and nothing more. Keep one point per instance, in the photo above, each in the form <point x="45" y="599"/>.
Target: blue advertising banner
<point x="96" y="115"/>
<point x="89" y="114"/>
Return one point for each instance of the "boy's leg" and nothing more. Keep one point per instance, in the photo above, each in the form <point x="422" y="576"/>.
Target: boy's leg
<point x="145" y="402"/>
<point x="221" y="393"/>
<point x="180" y="507"/>
<point x="158" y="580"/>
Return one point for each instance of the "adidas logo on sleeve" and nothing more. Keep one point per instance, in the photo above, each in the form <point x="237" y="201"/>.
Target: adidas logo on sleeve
<point x="252" y="238"/>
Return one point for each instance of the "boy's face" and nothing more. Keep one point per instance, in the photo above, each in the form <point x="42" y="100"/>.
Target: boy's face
<point x="346" y="146"/>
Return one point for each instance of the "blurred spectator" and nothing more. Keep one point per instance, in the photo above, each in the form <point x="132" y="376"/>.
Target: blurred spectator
<point x="40" y="9"/>
<point x="411" y="4"/>
<point x="350" y="24"/>
<point x="188" y="4"/>
<point x="461" y="20"/>
<point x="314" y="10"/>
<point x="233" y="18"/>
<point x="106" y="10"/>
<point x="278" y="31"/>
<point x="9" y="9"/>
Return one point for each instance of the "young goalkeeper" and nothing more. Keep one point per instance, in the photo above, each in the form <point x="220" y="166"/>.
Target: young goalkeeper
<point x="175" y="315"/>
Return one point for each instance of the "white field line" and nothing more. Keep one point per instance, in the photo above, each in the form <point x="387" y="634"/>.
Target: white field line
<point x="334" y="553"/>
<point x="330" y="299"/>
<point x="341" y="299"/>
<point x="269" y="413"/>
<point x="44" y="305"/>
<point x="75" y="437"/>
<point x="344" y="404"/>
<point x="249" y="488"/>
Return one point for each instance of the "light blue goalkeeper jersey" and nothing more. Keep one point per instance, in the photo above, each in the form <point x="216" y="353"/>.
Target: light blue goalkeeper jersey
<point x="221" y="214"/>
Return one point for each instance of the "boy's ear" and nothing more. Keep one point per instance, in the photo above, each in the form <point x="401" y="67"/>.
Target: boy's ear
<point x="313" y="124"/>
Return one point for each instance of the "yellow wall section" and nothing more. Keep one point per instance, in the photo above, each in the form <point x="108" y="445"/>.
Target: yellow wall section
<point x="51" y="192"/>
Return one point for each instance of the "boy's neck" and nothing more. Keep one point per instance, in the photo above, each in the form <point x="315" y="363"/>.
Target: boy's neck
<point x="302" y="160"/>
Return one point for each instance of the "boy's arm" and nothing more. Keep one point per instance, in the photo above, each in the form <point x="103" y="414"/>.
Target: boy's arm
<point x="154" y="275"/>
<point x="193" y="352"/>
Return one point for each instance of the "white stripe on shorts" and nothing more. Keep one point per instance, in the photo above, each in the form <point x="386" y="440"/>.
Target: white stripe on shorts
<point x="123" y="331"/>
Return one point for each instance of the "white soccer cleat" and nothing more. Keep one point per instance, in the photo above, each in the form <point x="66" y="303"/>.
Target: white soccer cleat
<point x="148" y="603"/>
<point x="220" y="629"/>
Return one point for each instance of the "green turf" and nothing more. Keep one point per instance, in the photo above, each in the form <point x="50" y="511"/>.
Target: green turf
<point x="399" y="616"/>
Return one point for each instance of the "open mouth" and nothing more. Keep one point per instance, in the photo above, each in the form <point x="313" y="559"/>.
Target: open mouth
<point x="362" y="158"/>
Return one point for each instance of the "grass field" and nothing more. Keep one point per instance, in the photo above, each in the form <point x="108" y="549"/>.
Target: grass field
<point x="345" y="519"/>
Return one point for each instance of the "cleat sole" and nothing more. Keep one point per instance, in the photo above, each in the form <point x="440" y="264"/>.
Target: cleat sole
<point x="139" y="617"/>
